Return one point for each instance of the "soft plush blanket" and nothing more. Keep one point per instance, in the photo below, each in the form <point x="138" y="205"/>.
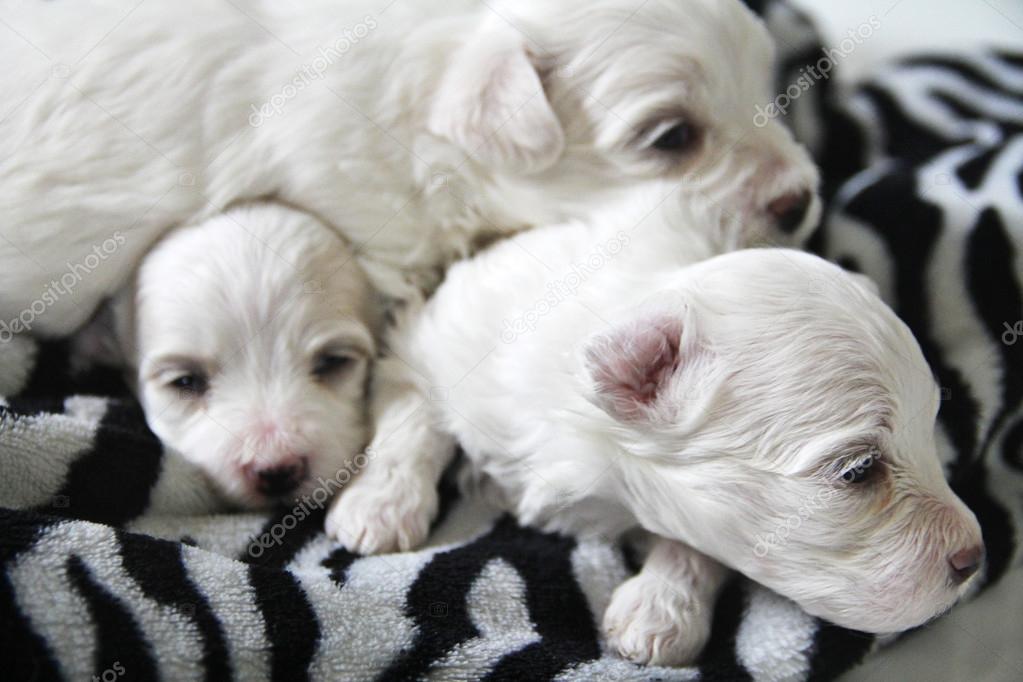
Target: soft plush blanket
<point x="117" y="562"/>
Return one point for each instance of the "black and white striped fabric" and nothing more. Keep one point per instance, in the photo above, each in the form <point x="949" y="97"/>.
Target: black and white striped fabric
<point x="117" y="563"/>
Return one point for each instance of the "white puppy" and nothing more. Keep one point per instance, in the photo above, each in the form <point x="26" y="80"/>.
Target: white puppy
<point x="250" y="337"/>
<point x="762" y="410"/>
<point x="413" y="130"/>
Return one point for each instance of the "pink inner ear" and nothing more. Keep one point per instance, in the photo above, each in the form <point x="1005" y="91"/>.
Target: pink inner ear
<point x="632" y="364"/>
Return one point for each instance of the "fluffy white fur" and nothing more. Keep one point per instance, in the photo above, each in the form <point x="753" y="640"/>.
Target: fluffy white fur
<point x="414" y="132"/>
<point x="720" y="405"/>
<point x="250" y="338"/>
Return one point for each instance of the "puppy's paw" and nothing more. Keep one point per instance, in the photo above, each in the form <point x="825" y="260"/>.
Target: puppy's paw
<point x="648" y="622"/>
<point x="382" y="513"/>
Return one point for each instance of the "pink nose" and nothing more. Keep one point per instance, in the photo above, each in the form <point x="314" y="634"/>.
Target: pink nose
<point x="789" y="210"/>
<point x="965" y="563"/>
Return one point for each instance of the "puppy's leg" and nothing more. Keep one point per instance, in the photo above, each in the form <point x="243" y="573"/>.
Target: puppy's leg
<point x="662" y="615"/>
<point x="389" y="506"/>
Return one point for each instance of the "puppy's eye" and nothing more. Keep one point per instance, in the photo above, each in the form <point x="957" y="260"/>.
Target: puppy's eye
<point x="677" y="138"/>
<point x="191" y="385"/>
<point x="328" y="365"/>
<point x="861" y="472"/>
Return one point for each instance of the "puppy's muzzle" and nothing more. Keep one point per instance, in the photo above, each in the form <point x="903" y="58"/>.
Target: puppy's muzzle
<point x="965" y="562"/>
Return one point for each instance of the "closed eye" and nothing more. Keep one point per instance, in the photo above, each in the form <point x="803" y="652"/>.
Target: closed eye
<point x="329" y="365"/>
<point x="862" y="470"/>
<point x="187" y="376"/>
<point x="672" y="137"/>
<point x="190" y="385"/>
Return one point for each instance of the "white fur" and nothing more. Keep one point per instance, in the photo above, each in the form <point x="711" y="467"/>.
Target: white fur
<point x="714" y="403"/>
<point x="249" y="301"/>
<point x="661" y="614"/>
<point x="426" y="128"/>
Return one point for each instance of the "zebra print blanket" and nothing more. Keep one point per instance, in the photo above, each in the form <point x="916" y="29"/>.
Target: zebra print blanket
<point x="115" y="563"/>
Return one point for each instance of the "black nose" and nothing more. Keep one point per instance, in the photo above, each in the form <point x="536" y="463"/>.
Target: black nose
<point x="790" y="210"/>
<point x="282" y="480"/>
<point x="965" y="563"/>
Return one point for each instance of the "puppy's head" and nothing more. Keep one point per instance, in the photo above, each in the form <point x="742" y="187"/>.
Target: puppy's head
<point x="774" y="413"/>
<point x="579" y="99"/>
<point x="252" y="340"/>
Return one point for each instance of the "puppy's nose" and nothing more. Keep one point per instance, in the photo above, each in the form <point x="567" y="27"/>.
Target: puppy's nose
<point x="281" y="480"/>
<point x="789" y="210"/>
<point x="965" y="563"/>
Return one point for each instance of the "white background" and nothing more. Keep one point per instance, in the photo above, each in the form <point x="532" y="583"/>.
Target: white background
<point x="913" y="25"/>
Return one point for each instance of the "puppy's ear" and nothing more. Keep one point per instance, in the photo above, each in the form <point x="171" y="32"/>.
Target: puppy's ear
<point x="491" y="103"/>
<point x="633" y="366"/>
